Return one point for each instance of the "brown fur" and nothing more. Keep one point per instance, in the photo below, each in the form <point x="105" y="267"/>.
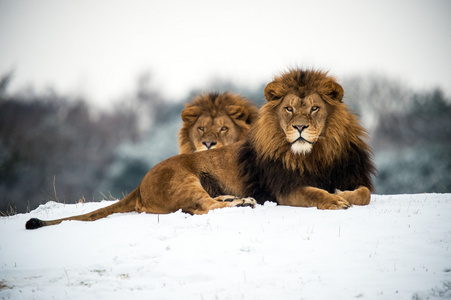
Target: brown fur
<point x="330" y="167"/>
<point x="214" y="120"/>
<point x="336" y="159"/>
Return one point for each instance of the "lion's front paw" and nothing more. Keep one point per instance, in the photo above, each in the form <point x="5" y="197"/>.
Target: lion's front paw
<point x="247" y="202"/>
<point x="360" y="196"/>
<point x="336" y="202"/>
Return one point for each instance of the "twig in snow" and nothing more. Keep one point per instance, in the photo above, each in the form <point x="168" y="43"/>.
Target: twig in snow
<point x="54" y="189"/>
<point x="67" y="276"/>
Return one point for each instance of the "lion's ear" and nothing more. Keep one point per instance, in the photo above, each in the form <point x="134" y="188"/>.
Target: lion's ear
<point x="238" y="112"/>
<point x="190" y="114"/>
<point x="273" y="91"/>
<point x="333" y="90"/>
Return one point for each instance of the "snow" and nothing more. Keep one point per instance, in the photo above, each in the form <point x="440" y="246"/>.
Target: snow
<point x="398" y="247"/>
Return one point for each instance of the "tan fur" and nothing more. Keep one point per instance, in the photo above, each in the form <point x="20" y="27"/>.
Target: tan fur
<point x="201" y="181"/>
<point x="175" y="184"/>
<point x="215" y="120"/>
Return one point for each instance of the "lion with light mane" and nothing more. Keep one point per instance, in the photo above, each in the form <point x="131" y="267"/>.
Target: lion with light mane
<point x="214" y="120"/>
<point x="306" y="149"/>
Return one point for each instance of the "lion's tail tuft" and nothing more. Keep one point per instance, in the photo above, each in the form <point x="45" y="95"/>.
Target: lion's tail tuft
<point x="34" y="223"/>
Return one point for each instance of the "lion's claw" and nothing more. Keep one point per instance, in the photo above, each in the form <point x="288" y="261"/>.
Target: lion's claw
<point x="346" y="206"/>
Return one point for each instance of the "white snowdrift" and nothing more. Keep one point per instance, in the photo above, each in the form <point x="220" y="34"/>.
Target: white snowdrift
<point x="398" y="247"/>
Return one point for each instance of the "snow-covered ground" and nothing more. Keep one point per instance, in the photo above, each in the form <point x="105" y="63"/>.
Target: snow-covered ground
<point x="398" y="247"/>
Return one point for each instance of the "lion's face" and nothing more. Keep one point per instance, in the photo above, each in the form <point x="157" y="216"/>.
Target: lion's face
<point x="209" y="133"/>
<point x="302" y="120"/>
<point x="214" y="120"/>
<point x="300" y="124"/>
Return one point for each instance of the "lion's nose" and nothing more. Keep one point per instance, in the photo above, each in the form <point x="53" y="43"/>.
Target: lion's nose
<point x="209" y="144"/>
<point x="300" y="128"/>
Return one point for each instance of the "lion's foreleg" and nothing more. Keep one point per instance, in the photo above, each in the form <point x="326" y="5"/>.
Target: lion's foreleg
<point x="313" y="197"/>
<point x="360" y="196"/>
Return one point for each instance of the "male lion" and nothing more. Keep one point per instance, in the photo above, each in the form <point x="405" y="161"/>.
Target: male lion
<point x="306" y="149"/>
<point x="214" y="120"/>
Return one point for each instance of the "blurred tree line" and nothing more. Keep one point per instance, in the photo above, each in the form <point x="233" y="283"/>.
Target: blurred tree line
<point x="57" y="147"/>
<point x="52" y="147"/>
<point x="410" y="134"/>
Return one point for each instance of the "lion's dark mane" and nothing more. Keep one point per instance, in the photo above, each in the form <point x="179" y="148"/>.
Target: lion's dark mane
<point x="267" y="178"/>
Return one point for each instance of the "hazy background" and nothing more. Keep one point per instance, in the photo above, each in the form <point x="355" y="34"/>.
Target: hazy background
<point x="91" y="91"/>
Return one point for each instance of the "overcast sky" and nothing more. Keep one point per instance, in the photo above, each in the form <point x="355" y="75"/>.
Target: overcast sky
<point x="99" y="48"/>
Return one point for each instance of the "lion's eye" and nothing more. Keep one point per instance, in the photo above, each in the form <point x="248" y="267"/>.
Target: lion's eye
<point x="289" y="109"/>
<point x="314" y="108"/>
<point x="201" y="129"/>
<point x="224" y="129"/>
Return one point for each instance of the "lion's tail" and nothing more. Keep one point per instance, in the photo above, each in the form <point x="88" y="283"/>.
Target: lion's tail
<point x="126" y="204"/>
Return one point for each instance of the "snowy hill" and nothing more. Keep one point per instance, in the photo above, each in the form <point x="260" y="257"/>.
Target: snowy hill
<point x="398" y="247"/>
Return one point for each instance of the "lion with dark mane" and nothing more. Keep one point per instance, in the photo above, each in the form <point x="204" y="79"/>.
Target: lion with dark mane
<point x="214" y="120"/>
<point x="306" y="149"/>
